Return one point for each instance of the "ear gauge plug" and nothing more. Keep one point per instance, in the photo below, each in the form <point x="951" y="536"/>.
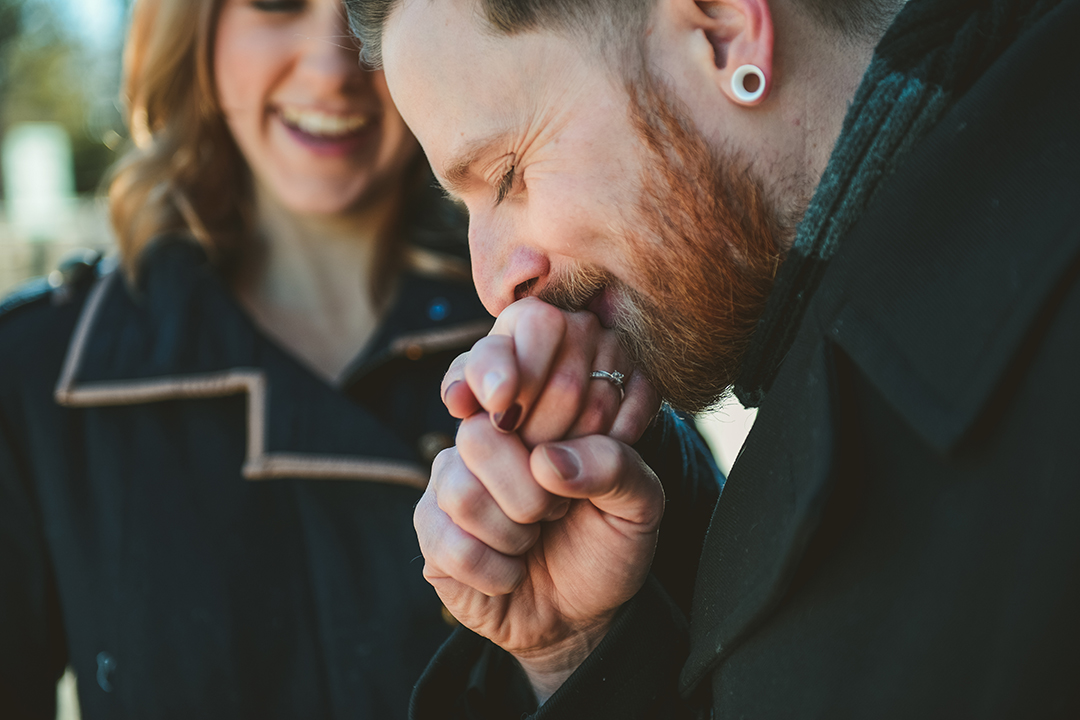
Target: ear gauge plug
<point x="748" y="83"/>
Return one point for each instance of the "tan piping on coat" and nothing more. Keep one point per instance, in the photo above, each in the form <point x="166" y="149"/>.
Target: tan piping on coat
<point x="259" y="464"/>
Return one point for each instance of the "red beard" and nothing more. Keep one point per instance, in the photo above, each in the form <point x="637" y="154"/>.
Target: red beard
<point x="705" y="246"/>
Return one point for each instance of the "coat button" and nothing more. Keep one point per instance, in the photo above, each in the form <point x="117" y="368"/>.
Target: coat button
<point x="106" y="663"/>
<point x="433" y="443"/>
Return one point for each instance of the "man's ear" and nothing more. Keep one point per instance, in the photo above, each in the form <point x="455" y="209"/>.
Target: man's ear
<point x="740" y="33"/>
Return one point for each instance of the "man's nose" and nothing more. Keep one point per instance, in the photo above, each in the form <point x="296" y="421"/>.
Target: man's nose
<point x="505" y="267"/>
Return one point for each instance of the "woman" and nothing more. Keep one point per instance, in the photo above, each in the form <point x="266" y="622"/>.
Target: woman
<point x="209" y="455"/>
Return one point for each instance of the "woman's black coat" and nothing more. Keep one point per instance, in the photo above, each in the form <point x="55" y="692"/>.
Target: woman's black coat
<point x="200" y="527"/>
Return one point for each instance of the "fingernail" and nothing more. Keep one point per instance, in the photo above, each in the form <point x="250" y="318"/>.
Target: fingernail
<point x="491" y="383"/>
<point x="507" y="420"/>
<point x="559" y="512"/>
<point x="564" y="461"/>
<point x="449" y="387"/>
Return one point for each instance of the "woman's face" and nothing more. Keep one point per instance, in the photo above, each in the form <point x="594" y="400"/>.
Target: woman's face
<point x="319" y="133"/>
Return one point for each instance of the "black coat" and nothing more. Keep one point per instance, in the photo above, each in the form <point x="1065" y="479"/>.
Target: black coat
<point x="200" y="527"/>
<point x="900" y="536"/>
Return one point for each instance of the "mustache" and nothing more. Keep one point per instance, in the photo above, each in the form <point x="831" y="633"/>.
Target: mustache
<point x="573" y="289"/>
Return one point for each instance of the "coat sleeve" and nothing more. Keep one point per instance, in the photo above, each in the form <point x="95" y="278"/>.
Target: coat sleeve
<point x="634" y="672"/>
<point x="32" y="649"/>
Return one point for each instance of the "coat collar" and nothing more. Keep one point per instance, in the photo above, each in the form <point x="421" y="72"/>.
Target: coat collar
<point x="934" y="296"/>
<point x="945" y="280"/>
<point x="184" y="338"/>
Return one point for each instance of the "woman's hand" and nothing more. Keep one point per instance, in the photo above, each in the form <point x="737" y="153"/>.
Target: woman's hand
<point x="532" y="374"/>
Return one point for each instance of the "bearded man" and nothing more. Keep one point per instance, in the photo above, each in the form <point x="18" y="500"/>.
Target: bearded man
<point x="867" y="219"/>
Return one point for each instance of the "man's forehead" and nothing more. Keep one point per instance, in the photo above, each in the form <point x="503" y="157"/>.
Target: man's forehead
<point x="435" y="26"/>
<point x="455" y="80"/>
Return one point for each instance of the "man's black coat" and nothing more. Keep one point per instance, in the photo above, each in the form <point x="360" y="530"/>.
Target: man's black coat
<point x="900" y="536"/>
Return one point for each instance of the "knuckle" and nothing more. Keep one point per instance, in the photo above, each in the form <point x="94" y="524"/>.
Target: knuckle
<point x="612" y="457"/>
<point x="587" y="323"/>
<point x="459" y="499"/>
<point x="521" y="306"/>
<point x="482" y="347"/>
<point x="422" y="520"/>
<point x="456" y="367"/>
<point x="596" y="415"/>
<point x="464" y="557"/>
<point x="520" y="542"/>
<point x="542" y="314"/>
<point x="528" y="510"/>
<point x="564" y="383"/>
<point x="472" y="435"/>
<point x="443" y="463"/>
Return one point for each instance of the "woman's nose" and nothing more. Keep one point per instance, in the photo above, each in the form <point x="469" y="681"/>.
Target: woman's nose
<point x="331" y="56"/>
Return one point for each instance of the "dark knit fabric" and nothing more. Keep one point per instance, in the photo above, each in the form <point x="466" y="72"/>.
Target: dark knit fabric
<point x="933" y="52"/>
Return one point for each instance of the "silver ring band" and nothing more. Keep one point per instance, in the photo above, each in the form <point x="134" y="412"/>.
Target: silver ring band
<point x="615" y="378"/>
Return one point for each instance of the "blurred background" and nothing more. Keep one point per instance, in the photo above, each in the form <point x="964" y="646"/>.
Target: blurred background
<point x="60" y="128"/>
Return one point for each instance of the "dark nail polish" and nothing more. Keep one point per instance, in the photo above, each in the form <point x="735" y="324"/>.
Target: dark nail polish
<point x="507" y="420"/>
<point x="564" y="461"/>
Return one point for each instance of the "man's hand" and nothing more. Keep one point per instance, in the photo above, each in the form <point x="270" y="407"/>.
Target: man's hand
<point x="531" y="543"/>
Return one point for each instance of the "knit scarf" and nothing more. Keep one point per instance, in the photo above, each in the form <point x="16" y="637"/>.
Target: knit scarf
<point x="934" y="51"/>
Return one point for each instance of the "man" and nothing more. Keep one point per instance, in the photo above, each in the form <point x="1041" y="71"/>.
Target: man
<point x="898" y="536"/>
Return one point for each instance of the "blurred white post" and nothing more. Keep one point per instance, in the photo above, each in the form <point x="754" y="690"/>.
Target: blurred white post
<point x="39" y="180"/>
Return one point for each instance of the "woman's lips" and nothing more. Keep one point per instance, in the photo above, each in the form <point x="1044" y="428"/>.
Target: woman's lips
<point x="325" y="134"/>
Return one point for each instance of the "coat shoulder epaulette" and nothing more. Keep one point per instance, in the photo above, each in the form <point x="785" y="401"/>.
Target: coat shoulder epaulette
<point x="73" y="275"/>
<point x="29" y="293"/>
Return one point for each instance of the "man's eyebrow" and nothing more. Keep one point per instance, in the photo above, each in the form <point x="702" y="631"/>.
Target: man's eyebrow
<point x="456" y="170"/>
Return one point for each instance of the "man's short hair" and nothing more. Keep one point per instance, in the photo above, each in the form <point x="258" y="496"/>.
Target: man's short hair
<point x="853" y="18"/>
<point x="585" y="17"/>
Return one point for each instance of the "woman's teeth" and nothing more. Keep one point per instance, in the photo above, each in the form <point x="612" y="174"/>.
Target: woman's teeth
<point x="321" y="124"/>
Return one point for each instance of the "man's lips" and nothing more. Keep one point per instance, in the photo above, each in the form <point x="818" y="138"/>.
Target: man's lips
<point x="602" y="305"/>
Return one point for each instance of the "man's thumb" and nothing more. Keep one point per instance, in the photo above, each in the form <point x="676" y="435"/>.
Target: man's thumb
<point x="607" y="472"/>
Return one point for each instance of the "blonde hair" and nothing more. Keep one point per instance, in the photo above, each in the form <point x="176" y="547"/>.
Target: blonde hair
<point x="184" y="172"/>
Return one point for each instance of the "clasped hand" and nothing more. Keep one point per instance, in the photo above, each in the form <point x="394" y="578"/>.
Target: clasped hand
<point x="542" y="521"/>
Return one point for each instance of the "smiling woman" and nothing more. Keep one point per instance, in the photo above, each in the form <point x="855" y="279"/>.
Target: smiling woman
<point x="316" y="130"/>
<point x="210" y="451"/>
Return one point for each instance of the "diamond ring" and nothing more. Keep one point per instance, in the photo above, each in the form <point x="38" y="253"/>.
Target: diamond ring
<point x="615" y="378"/>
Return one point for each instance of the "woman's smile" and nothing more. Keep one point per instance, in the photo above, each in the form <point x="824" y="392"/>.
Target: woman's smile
<point x="327" y="134"/>
<point x="319" y="132"/>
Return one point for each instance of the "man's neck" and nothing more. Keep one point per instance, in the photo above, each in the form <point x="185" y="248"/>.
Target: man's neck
<point x="828" y="84"/>
<point x="817" y="72"/>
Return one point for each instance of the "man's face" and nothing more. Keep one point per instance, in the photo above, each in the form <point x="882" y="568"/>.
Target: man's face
<point x="585" y="193"/>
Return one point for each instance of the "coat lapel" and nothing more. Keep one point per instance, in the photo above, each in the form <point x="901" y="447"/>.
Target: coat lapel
<point x="767" y="511"/>
<point x="186" y="339"/>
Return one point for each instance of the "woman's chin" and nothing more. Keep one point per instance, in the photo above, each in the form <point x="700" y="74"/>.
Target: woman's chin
<point x="320" y="199"/>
